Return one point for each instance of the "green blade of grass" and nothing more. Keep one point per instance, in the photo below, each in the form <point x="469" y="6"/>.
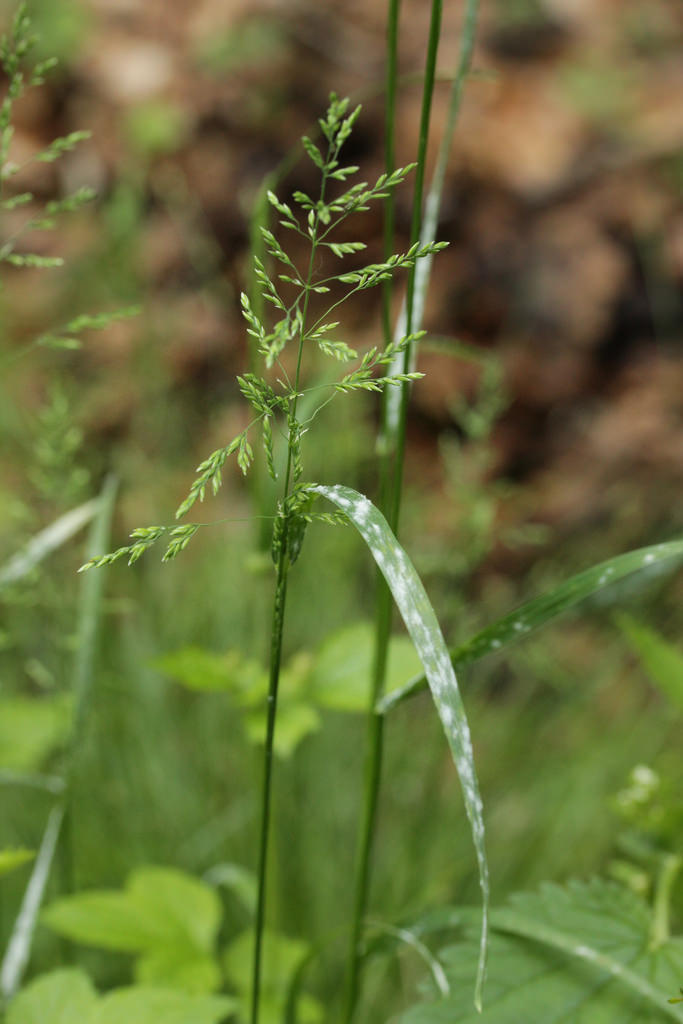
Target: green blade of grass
<point x="425" y="632"/>
<point x="47" y="541"/>
<point x="19" y="946"/>
<point x="392" y="399"/>
<point x="544" y="609"/>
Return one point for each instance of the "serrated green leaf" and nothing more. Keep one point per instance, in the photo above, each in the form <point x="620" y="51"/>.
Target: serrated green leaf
<point x="578" y="954"/>
<point x="544" y="609"/>
<point x="425" y="632"/>
<point x="60" y="997"/>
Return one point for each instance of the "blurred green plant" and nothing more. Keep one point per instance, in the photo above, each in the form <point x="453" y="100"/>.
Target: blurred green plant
<point x="170" y="921"/>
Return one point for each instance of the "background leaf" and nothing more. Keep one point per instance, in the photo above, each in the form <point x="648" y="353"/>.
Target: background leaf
<point x="15" y="858"/>
<point x="282" y="958"/>
<point x="342" y="668"/>
<point x="661" y="660"/>
<point x="143" y="1005"/>
<point x="163" y="913"/>
<point x="580" y="953"/>
<point x="65" y="996"/>
<point x="31" y="728"/>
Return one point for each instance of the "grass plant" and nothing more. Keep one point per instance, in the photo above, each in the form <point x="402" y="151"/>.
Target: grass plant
<point x="613" y="954"/>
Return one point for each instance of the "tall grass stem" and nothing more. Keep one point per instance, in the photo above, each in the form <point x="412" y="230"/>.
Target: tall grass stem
<point x="390" y="480"/>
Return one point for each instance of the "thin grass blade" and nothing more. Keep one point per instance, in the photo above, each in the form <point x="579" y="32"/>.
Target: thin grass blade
<point x="47" y="541"/>
<point x="49" y="783"/>
<point x="90" y="606"/>
<point x="425" y="632"/>
<point x="19" y="946"/>
<point x="410" y="939"/>
<point x="544" y="609"/>
<point x="423" y="269"/>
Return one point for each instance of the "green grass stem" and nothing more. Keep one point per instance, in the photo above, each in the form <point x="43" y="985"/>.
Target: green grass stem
<point x="390" y="480"/>
<point x="278" y="618"/>
<point x="375" y="723"/>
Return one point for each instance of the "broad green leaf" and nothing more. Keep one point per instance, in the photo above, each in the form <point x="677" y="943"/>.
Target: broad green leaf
<point x="107" y="919"/>
<point x="282" y="958"/>
<point x="295" y="720"/>
<point x="199" y="669"/>
<point x="14" y="858"/>
<point x="147" y="1005"/>
<point x="179" y="967"/>
<point x="64" y="996"/>
<point x="247" y="683"/>
<point x="169" y="917"/>
<point x="423" y="627"/>
<point x="579" y="954"/>
<point x="544" y="609"/>
<point x="31" y="728"/>
<point x="661" y="660"/>
<point x="189" y="909"/>
<point x="342" y="669"/>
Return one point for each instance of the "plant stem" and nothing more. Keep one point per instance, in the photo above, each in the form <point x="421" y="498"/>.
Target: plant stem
<point x="278" y="619"/>
<point x="394" y="509"/>
<point x="274" y="678"/>
<point x="660" y="930"/>
<point x="390" y="483"/>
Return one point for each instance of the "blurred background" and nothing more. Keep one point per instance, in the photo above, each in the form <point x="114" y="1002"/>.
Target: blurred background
<point x="545" y="436"/>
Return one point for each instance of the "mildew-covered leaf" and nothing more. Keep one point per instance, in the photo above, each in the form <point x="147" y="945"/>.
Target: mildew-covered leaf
<point x="541" y="610"/>
<point x="425" y="632"/>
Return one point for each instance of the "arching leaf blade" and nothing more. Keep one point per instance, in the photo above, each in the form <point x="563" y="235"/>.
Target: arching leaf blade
<point x="541" y="610"/>
<point x="425" y="632"/>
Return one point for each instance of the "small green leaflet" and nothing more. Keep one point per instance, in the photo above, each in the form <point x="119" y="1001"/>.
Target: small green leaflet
<point x="60" y="997"/>
<point x="575" y="954"/>
<point x="544" y="609"/>
<point x="169" y="919"/>
<point x="423" y="627"/>
<point x="67" y="996"/>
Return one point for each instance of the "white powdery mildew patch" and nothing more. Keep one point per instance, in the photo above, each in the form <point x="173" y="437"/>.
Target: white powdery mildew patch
<point x="425" y="632"/>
